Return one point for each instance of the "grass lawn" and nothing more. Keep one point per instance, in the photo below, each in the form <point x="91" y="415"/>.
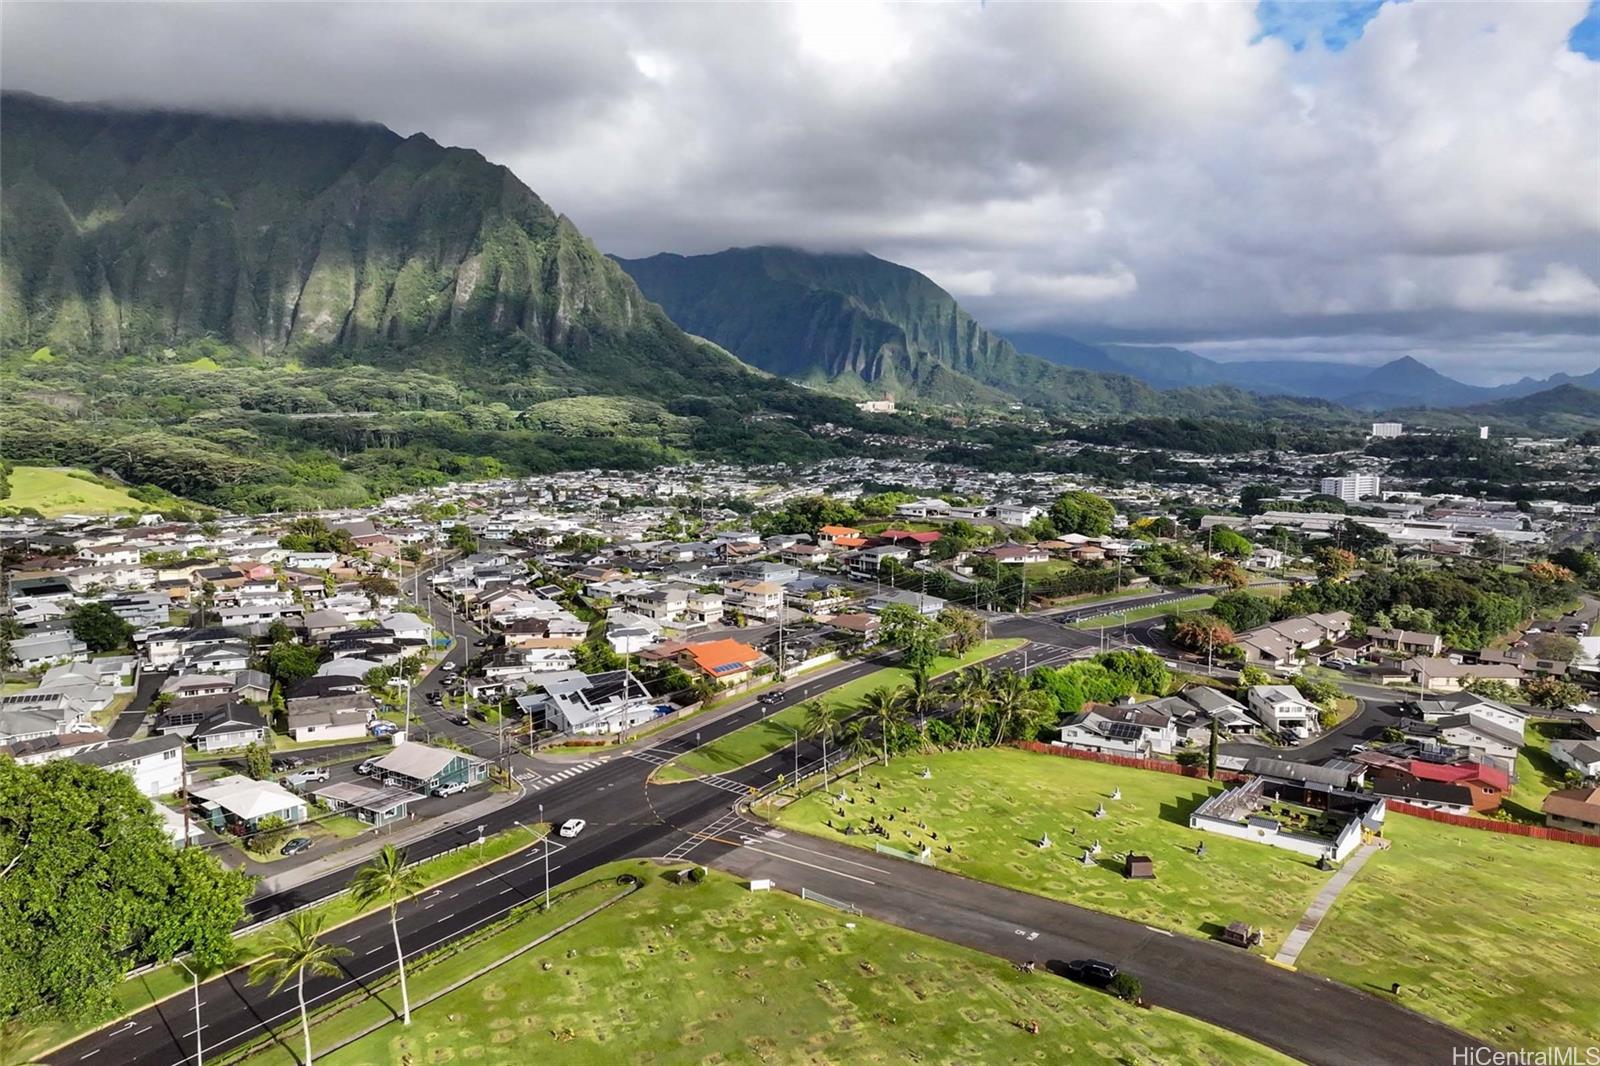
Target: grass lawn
<point x="1136" y="614"/>
<point x="53" y="491"/>
<point x="713" y="973"/>
<point x="1538" y="774"/>
<point x="1493" y="934"/>
<point x="992" y="807"/>
<point x="137" y="993"/>
<point x="760" y="739"/>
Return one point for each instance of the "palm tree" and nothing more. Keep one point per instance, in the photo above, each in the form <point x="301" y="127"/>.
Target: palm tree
<point x="1015" y="704"/>
<point x="294" y="950"/>
<point x="387" y="879"/>
<point x="920" y="695"/>
<point x="973" y="690"/>
<point x="822" y="722"/>
<point x="885" y="706"/>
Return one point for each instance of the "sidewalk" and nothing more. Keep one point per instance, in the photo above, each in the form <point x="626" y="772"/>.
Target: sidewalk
<point x="1300" y="935"/>
<point x="369" y="844"/>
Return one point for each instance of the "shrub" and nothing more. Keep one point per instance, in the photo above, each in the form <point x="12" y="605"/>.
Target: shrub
<point x="697" y="874"/>
<point x="1126" y="986"/>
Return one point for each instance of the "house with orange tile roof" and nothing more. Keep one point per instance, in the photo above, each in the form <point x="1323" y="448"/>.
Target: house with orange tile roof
<point x="829" y="534"/>
<point x="726" y="662"/>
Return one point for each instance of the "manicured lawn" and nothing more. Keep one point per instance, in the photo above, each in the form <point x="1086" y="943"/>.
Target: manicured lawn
<point x="991" y="807"/>
<point x="712" y="973"/>
<point x="53" y="491"/>
<point x="760" y="739"/>
<point x="1538" y="774"/>
<point x="1494" y="934"/>
<point x="137" y="993"/>
<point x="1136" y="614"/>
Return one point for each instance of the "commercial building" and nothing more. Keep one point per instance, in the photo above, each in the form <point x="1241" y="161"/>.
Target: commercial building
<point x="1352" y="487"/>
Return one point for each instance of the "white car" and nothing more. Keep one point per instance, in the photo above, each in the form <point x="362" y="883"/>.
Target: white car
<point x="572" y="827"/>
<point x="306" y="777"/>
<point x="447" y="667"/>
<point x="451" y="789"/>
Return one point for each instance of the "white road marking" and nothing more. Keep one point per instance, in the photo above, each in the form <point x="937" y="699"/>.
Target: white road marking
<point x="91" y="1054"/>
<point x="812" y="865"/>
<point x="1163" y="932"/>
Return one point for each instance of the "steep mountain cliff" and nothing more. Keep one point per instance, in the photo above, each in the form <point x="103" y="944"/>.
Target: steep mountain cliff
<point x="863" y="326"/>
<point x="124" y="230"/>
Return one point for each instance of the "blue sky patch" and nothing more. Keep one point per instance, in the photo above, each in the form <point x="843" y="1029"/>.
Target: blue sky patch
<point x="1334" y="22"/>
<point x="1585" y="36"/>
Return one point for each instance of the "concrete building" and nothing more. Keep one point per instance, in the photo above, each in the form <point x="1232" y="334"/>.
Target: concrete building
<point x="1386" y="429"/>
<point x="1353" y="487"/>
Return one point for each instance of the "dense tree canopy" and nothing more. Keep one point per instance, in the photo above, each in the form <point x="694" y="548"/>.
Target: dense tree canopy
<point x="1083" y="513"/>
<point x="94" y="887"/>
<point x="100" y="628"/>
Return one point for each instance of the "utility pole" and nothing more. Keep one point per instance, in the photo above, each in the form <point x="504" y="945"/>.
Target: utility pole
<point x="199" y="1041"/>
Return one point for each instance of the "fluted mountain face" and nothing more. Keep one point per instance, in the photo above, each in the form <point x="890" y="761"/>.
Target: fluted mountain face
<point x="127" y="229"/>
<point x="863" y="325"/>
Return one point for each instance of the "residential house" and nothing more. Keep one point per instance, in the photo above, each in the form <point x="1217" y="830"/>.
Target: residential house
<point x="239" y="804"/>
<point x="1431" y="710"/>
<point x="725" y="662"/>
<point x="1483" y="737"/>
<point x="859" y="625"/>
<point x="371" y="804"/>
<point x="1574" y="809"/>
<point x="760" y="570"/>
<point x="213" y="723"/>
<point x="1017" y="554"/>
<point x="1282" y="710"/>
<point x="662" y="605"/>
<point x="1458" y="788"/>
<point x="757" y="601"/>
<point x="590" y="704"/>
<point x="922" y="604"/>
<point x="1580" y="755"/>
<point x="828" y="535"/>
<point x="33" y="714"/>
<point x="54" y="746"/>
<point x="330" y="717"/>
<point x="1136" y="730"/>
<point x="1307" y="817"/>
<point x="47" y="649"/>
<point x="865" y="564"/>
<point x="155" y="764"/>
<point x="1407" y="641"/>
<point x="425" y="769"/>
<point x="1435" y="674"/>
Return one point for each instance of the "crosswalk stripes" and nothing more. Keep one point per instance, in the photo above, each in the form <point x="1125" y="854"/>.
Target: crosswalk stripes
<point x="727" y="823"/>
<point x="655" y="756"/>
<point x="571" y="771"/>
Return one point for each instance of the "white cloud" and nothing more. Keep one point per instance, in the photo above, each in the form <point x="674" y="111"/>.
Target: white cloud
<point x="1149" y="171"/>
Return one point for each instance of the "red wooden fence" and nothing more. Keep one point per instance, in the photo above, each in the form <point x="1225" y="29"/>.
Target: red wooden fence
<point x="1131" y="761"/>
<point x="1516" y="829"/>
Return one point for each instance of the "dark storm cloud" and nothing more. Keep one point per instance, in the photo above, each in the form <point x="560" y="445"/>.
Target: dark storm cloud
<point x="1143" y="172"/>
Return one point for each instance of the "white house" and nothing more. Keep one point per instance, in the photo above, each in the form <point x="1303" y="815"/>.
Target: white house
<point x="155" y="764"/>
<point x="590" y="704"/>
<point x="237" y="800"/>
<point x="1281" y="709"/>
<point x="1581" y="755"/>
<point x="1122" y="730"/>
<point x="48" y="649"/>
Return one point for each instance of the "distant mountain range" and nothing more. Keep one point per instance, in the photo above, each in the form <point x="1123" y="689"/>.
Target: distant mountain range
<point x="1403" y="382"/>
<point x="864" y="327"/>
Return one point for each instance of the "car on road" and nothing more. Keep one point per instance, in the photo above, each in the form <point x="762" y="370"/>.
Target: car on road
<point x="447" y="666"/>
<point x="436" y="698"/>
<point x="770" y="698"/>
<point x="1092" y="971"/>
<point x="368" y="767"/>
<point x="384" y="729"/>
<point x="287" y="765"/>
<point x="301" y="778"/>
<point x="296" y="846"/>
<point x="572" y="827"/>
<point x="451" y="789"/>
<point x="457" y="719"/>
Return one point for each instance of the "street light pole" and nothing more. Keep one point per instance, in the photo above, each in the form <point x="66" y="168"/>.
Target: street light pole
<point x="199" y="1041"/>
<point x="546" y="845"/>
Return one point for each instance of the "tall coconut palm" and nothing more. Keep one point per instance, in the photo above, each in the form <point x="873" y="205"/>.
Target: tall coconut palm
<point x="885" y="707"/>
<point x="973" y="690"/>
<point x="293" y="950"/>
<point x="1015" y="704"/>
<point x="387" y="879"/>
<point x="920" y="695"/>
<point x="824" y="722"/>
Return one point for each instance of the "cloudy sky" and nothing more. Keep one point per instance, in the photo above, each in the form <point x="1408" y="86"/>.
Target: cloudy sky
<point x="1349" y="181"/>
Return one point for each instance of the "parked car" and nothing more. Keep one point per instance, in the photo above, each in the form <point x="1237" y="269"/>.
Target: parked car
<point x="384" y="729"/>
<point x="296" y="846"/>
<point x="451" y="789"/>
<point x="572" y="827"/>
<point x="1092" y="971"/>
<point x="457" y="719"/>
<point x="306" y="777"/>
<point x="436" y="698"/>
<point x="370" y="766"/>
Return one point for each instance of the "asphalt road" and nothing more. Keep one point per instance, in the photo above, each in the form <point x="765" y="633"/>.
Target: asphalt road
<point x="627" y="817"/>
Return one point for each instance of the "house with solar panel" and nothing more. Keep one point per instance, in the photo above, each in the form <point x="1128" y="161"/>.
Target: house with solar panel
<point x="1122" y="729"/>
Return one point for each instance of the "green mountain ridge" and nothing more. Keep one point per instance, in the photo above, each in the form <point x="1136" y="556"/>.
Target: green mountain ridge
<point x="865" y="326"/>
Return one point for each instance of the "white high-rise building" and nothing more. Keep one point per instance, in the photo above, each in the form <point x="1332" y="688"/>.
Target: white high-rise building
<point x="1483" y="432"/>
<point x="1352" y="488"/>
<point x="1386" y="429"/>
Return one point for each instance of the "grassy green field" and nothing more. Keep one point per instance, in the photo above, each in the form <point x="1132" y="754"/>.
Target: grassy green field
<point x="713" y="973"/>
<point x="1136" y="614"/>
<point x="137" y="993"/>
<point x="1494" y="934"/>
<point x="1538" y="774"/>
<point x="760" y="739"/>
<point x="53" y="491"/>
<point x="991" y="807"/>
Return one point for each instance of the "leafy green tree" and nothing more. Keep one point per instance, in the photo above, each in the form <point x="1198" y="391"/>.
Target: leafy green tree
<point x="965" y="629"/>
<point x="1333" y="563"/>
<point x="915" y="634"/>
<point x="1199" y="632"/>
<point x="258" y="762"/>
<point x="1082" y="512"/>
<point x="294" y="948"/>
<point x="1491" y="688"/>
<point x="1322" y="693"/>
<point x="378" y="587"/>
<point x="1242" y="610"/>
<point x="1552" y="692"/>
<point x="388" y="880"/>
<point x="269" y="835"/>
<point x="1252" y="675"/>
<point x="463" y="539"/>
<point x="1142" y="669"/>
<point x="289" y="664"/>
<point x="1557" y="646"/>
<point x="91" y="886"/>
<point x="99" y="627"/>
<point x="823" y="722"/>
<point x="1227" y="542"/>
<point x="972" y="689"/>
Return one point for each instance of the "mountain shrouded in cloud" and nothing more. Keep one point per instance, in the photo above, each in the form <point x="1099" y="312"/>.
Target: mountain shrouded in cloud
<point x="1417" y="183"/>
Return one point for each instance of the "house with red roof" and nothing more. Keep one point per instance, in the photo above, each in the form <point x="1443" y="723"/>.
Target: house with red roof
<point x="725" y="662"/>
<point x="1459" y="788"/>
